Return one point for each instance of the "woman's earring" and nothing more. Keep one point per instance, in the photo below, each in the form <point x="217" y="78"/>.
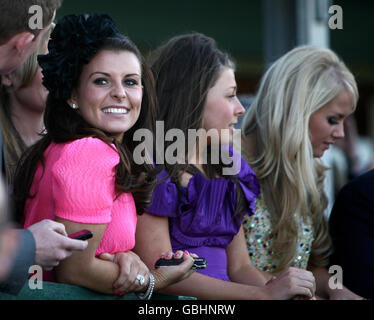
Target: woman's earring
<point x="74" y="106"/>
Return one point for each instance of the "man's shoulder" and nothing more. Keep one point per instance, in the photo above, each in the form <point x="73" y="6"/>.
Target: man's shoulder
<point x="362" y="184"/>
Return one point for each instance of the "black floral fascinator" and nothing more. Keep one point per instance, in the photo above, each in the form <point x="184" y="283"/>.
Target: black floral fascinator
<point x="74" y="41"/>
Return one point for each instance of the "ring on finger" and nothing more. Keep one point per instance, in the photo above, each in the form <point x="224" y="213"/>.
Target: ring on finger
<point x="141" y="279"/>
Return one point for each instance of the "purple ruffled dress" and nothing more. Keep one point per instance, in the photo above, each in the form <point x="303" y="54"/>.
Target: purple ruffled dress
<point x="201" y="219"/>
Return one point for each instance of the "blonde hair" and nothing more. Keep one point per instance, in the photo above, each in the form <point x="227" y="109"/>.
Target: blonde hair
<point x="27" y="70"/>
<point x="13" y="144"/>
<point x="293" y="88"/>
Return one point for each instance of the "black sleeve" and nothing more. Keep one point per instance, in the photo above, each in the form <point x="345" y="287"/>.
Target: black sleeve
<point x="352" y="231"/>
<point x="22" y="262"/>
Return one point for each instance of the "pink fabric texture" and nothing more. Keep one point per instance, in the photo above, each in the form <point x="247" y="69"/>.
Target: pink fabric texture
<point x="78" y="184"/>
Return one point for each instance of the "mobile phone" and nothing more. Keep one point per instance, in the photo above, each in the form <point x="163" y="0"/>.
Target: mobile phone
<point x="199" y="263"/>
<point x="81" y="235"/>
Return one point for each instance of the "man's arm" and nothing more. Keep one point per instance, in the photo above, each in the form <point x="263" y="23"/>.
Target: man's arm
<point x="23" y="260"/>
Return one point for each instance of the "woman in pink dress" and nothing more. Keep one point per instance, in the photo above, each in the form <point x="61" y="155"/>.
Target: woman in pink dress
<point x="82" y="173"/>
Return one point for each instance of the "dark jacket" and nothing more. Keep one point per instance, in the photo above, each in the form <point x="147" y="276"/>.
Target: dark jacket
<point x="352" y="231"/>
<point x="20" y="269"/>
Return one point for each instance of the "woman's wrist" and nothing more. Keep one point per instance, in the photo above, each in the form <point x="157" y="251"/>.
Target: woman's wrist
<point x="263" y="293"/>
<point x="147" y="295"/>
<point x="161" y="280"/>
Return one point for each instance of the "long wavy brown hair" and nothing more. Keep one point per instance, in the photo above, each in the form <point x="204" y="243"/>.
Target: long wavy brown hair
<point x="63" y="124"/>
<point x="185" y="68"/>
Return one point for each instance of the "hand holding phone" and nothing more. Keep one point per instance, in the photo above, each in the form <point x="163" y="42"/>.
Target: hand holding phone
<point x="81" y="235"/>
<point x="199" y="263"/>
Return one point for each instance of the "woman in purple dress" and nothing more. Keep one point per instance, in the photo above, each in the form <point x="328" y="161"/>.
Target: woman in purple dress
<point x="201" y="198"/>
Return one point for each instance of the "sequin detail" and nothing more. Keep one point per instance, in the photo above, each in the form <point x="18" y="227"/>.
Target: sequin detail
<point x="257" y="230"/>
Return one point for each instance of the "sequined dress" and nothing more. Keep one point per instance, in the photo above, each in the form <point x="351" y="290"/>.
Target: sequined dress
<point x="257" y="229"/>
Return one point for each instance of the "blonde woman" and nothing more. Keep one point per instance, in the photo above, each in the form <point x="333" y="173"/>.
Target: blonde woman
<point x="298" y="112"/>
<point x="22" y="104"/>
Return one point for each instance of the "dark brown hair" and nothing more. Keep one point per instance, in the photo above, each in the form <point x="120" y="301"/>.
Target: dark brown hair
<point x="185" y="68"/>
<point x="64" y="124"/>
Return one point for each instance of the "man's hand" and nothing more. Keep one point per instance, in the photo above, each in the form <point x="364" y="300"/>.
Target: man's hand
<point x="52" y="243"/>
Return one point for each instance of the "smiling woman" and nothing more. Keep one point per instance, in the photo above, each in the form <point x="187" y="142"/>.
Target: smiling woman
<point x="109" y="93"/>
<point x="81" y="173"/>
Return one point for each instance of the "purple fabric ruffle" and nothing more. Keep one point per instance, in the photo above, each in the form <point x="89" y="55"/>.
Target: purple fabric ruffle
<point x="203" y="215"/>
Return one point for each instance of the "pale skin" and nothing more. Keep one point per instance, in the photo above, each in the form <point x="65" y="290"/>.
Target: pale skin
<point x="152" y="236"/>
<point x="326" y="126"/>
<point x="52" y="243"/>
<point x="27" y="103"/>
<point x="16" y="49"/>
<point x="109" y="96"/>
